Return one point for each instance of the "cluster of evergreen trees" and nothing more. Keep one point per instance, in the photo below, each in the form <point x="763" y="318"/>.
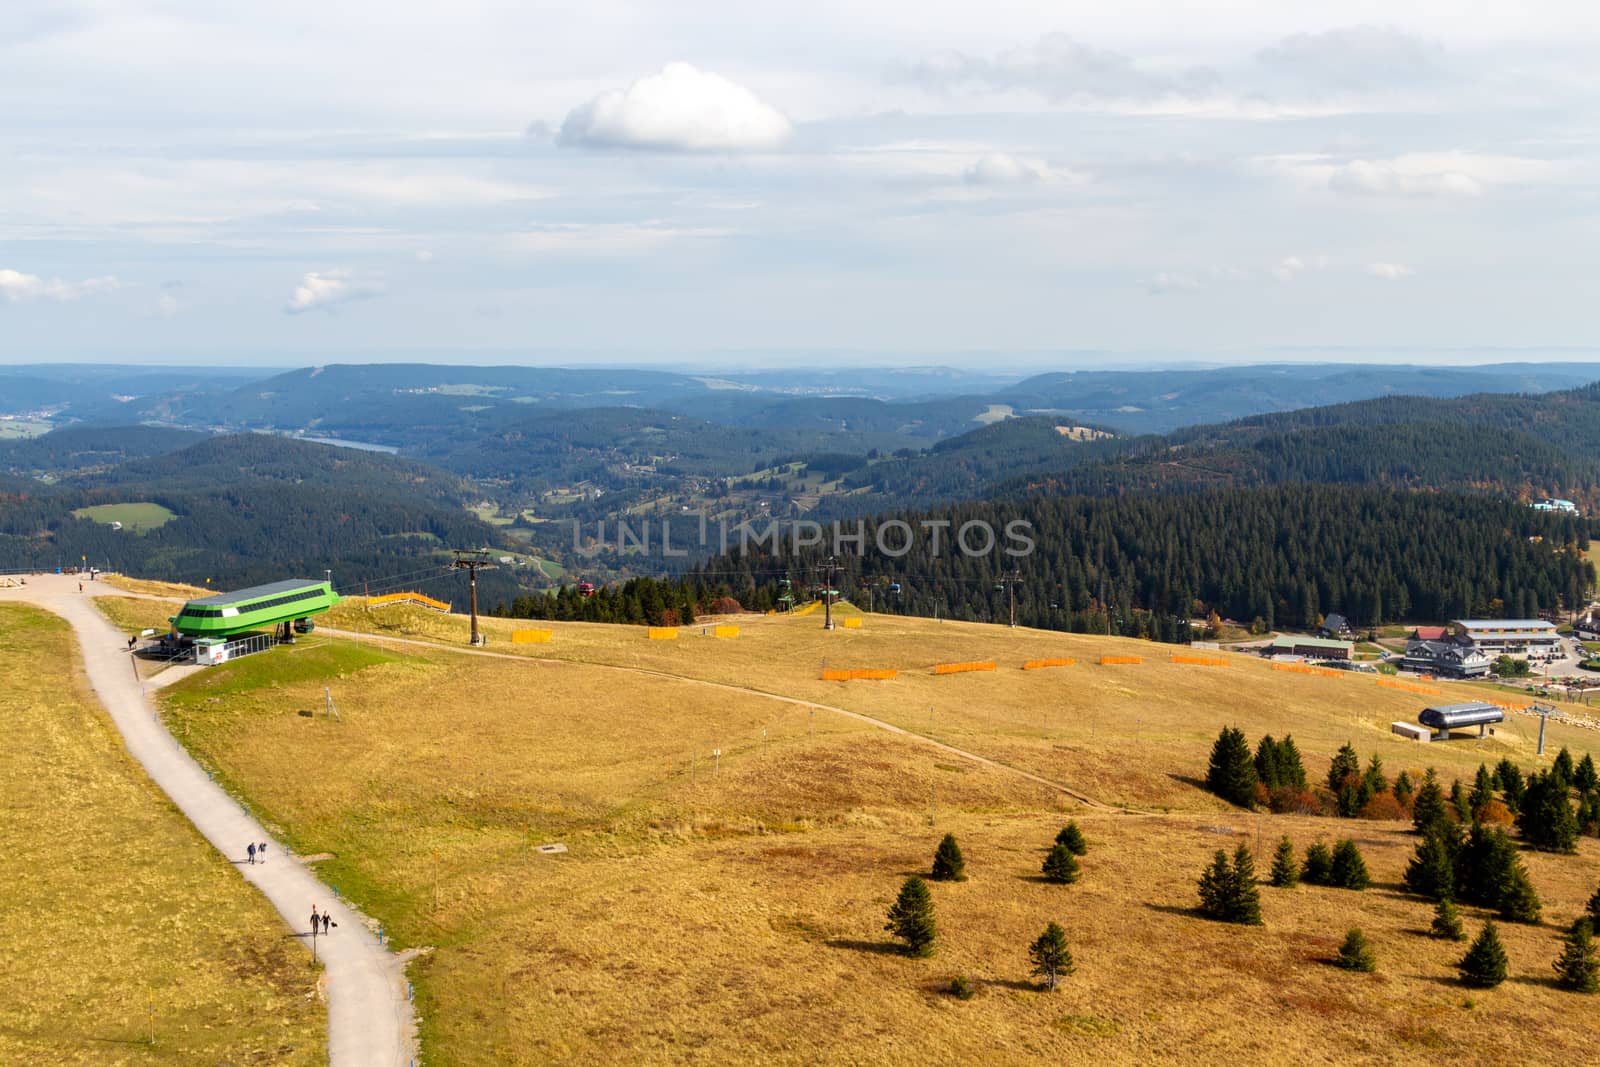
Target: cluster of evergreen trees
<point x="1275" y="777"/>
<point x="911" y="916"/>
<point x="1144" y="566"/>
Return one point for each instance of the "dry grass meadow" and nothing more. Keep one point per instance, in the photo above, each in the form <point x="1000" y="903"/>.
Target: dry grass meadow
<point x="731" y="910"/>
<point x="114" y="904"/>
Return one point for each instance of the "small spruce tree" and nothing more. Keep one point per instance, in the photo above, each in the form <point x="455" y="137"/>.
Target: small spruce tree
<point x="1482" y="790"/>
<point x="1563" y="767"/>
<point x="1346" y="765"/>
<point x="1060" y="865"/>
<point x="1290" y="770"/>
<point x="1267" y="763"/>
<point x="1349" y="869"/>
<point x="1511" y="783"/>
<point x="1050" y="955"/>
<point x="1318" y="867"/>
<point x="1447" y="921"/>
<point x="1429" y="806"/>
<point x="1593" y="908"/>
<point x="1232" y="772"/>
<point x="948" y="864"/>
<point x="1285" y="872"/>
<point x="1484" y="965"/>
<point x="1432" y="871"/>
<point x="1518" y="902"/>
<point x="1585" y="778"/>
<point x="1356" y="954"/>
<point x="1374" y="780"/>
<point x="1404" y="790"/>
<point x="1072" y="837"/>
<point x="1247" y="898"/>
<point x="1577" y="968"/>
<point x="1459" y="802"/>
<point x="911" y="917"/>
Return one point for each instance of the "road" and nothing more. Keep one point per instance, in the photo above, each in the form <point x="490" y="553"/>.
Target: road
<point x="370" y="1021"/>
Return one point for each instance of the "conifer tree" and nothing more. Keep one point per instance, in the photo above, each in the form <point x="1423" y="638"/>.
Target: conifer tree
<point x="1511" y="783"/>
<point x="1458" y="802"/>
<point x="1585" y="779"/>
<point x="1482" y="790"/>
<point x="1285" y="872"/>
<point x="1518" y="902"/>
<point x="1429" y="806"/>
<point x="948" y="864"/>
<point x="1232" y="773"/>
<point x="1484" y="965"/>
<point x="1432" y="871"/>
<point x="1346" y="765"/>
<point x="1546" y="819"/>
<point x="1447" y="921"/>
<point x="1593" y="908"/>
<point x="1318" y="867"/>
<point x="1072" y="837"/>
<point x="1562" y="766"/>
<point x="1267" y="762"/>
<point x="911" y="917"/>
<point x="1356" y="954"/>
<point x="1228" y="891"/>
<point x="1404" y="790"/>
<point x="1050" y="955"/>
<point x="1291" y="771"/>
<point x="1577" y="968"/>
<point x="1060" y="865"/>
<point x="1374" y="780"/>
<point x="1349" y="869"/>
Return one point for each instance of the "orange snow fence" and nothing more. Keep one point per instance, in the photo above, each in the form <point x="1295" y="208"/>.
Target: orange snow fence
<point x="1199" y="661"/>
<point x="663" y="633"/>
<point x="1301" y="668"/>
<point x="852" y="623"/>
<point x="1107" y="661"/>
<point x="725" y="631"/>
<point x="860" y="675"/>
<point x="1037" y="664"/>
<point x="530" y="637"/>
<point x="962" y="668"/>
<point x="1427" y="689"/>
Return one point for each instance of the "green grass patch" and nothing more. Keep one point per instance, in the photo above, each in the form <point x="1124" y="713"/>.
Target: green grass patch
<point x="136" y="517"/>
<point x="283" y="666"/>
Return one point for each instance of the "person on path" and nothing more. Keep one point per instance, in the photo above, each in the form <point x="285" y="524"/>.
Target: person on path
<point x="327" y="921"/>
<point x="252" y="851"/>
<point x="315" y="919"/>
<point x="261" y="850"/>
<point x="80" y="587"/>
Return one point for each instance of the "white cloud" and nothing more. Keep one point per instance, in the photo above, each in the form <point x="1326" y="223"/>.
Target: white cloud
<point x="1002" y="168"/>
<point x="327" y="289"/>
<point x="1059" y="68"/>
<point x="17" y="287"/>
<point x="681" y="109"/>
<point x="1168" y="282"/>
<point x="1354" y="58"/>
<point x="1390" y="272"/>
<point x="1288" y="267"/>
<point x="1416" y="174"/>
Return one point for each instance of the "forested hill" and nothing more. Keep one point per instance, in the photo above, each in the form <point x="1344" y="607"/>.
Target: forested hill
<point x="1145" y="565"/>
<point x="81" y="448"/>
<point x="247" y="509"/>
<point x="1518" y="446"/>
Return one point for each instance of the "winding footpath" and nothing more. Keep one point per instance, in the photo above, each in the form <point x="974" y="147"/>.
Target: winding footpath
<point x="370" y="1020"/>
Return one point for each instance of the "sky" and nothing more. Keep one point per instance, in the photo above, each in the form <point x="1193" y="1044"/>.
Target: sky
<point x="187" y="180"/>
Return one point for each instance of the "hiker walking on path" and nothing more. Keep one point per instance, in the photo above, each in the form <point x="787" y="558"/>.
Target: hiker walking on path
<point x="327" y="921"/>
<point x="252" y="851"/>
<point x="315" y="919"/>
<point x="261" y="851"/>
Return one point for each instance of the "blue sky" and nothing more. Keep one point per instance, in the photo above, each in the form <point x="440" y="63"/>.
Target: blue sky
<point x="187" y="180"/>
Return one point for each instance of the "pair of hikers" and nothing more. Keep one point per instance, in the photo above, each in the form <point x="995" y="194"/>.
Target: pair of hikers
<point x="257" y="850"/>
<point x="325" y="919"/>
